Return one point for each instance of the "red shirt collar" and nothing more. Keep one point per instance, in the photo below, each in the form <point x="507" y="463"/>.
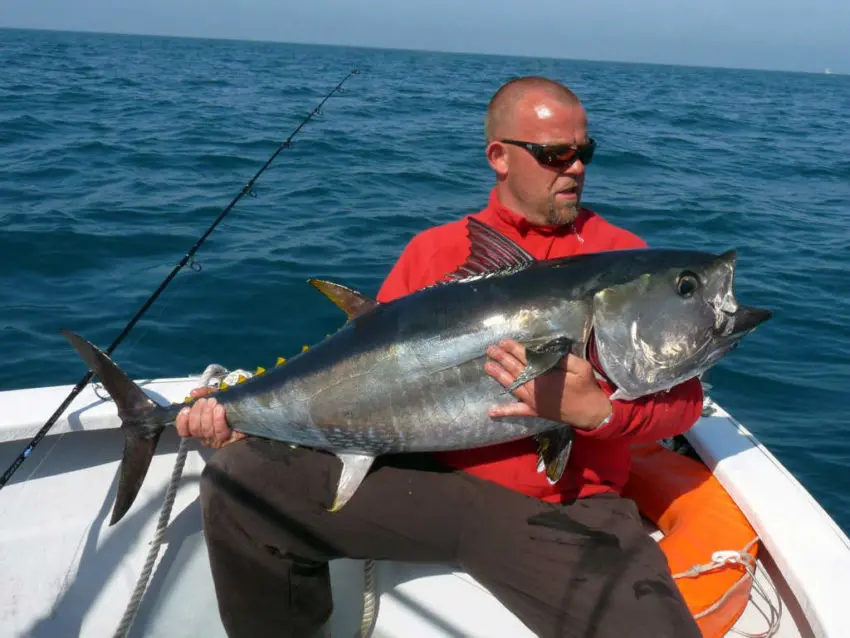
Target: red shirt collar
<point x="502" y="218"/>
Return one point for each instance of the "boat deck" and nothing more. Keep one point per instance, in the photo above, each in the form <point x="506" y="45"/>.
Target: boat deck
<point x="66" y="573"/>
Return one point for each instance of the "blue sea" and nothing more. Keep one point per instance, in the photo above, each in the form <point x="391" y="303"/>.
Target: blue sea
<point x="117" y="152"/>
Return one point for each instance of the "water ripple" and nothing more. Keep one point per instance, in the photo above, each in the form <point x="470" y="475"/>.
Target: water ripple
<point x="117" y="152"/>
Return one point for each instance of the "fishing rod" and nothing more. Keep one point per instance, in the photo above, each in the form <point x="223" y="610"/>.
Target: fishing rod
<point x="248" y="189"/>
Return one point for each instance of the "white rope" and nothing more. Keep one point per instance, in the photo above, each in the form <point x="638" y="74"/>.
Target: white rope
<point x="743" y="557"/>
<point x="156" y="543"/>
<point x="370" y="599"/>
<point x="212" y="376"/>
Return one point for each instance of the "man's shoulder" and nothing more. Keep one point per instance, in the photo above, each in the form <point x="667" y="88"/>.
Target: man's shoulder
<point x="608" y="234"/>
<point x="427" y="257"/>
<point x="450" y="236"/>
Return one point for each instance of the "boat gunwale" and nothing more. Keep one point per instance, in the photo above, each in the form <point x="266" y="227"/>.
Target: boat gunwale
<point x="725" y="446"/>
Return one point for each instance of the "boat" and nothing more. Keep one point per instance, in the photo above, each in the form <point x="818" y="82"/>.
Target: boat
<point x="66" y="572"/>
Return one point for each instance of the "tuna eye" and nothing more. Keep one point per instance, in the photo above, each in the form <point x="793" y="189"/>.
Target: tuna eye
<point x="687" y="285"/>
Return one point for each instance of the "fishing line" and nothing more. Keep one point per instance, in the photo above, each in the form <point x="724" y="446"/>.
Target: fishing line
<point x="188" y="258"/>
<point x="129" y="346"/>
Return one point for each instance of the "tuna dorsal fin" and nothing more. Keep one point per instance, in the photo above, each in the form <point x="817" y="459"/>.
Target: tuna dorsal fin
<point x="490" y="254"/>
<point x="349" y="301"/>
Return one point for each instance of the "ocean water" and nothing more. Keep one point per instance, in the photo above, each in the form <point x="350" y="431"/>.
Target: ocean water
<point x="117" y="152"/>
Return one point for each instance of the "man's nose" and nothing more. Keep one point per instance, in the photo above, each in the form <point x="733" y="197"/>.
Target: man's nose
<point x="576" y="169"/>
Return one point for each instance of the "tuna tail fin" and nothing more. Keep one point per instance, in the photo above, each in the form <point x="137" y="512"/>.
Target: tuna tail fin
<point x="142" y="421"/>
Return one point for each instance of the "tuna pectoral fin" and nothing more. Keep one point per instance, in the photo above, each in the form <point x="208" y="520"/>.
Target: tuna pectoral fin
<point x="553" y="450"/>
<point x="142" y="421"/>
<point x="540" y="358"/>
<point x="355" y="467"/>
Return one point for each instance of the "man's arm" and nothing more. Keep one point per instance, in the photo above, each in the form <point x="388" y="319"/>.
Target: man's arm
<point x="570" y="393"/>
<point x="654" y="417"/>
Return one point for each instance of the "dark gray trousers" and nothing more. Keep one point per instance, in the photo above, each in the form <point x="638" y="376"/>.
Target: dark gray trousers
<point x="583" y="569"/>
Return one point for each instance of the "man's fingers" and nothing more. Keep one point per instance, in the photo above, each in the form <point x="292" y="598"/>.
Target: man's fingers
<point x="220" y="430"/>
<point x="498" y="372"/>
<point x="506" y="359"/>
<point x="577" y="365"/>
<point x="183" y="422"/>
<point x="206" y="420"/>
<point x="514" y="349"/>
<point x="511" y="409"/>
<point x="195" y="418"/>
<point x="207" y="427"/>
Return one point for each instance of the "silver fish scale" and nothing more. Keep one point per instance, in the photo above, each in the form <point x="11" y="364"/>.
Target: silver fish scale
<point x="420" y="391"/>
<point x="409" y="375"/>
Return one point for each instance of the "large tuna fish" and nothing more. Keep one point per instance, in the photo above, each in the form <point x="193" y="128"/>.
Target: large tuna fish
<point x="408" y="376"/>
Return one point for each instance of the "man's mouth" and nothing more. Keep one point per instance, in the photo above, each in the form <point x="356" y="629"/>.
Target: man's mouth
<point x="567" y="193"/>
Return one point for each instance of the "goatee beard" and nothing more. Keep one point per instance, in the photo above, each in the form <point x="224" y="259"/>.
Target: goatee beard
<point x="562" y="215"/>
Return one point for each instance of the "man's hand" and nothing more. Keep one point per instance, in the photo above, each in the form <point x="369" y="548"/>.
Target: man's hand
<point x="568" y="393"/>
<point x="206" y="421"/>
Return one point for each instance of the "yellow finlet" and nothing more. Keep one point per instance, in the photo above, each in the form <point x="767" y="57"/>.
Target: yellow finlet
<point x="259" y="371"/>
<point x="305" y="348"/>
<point x="280" y="361"/>
<point x="242" y="379"/>
<point x="223" y="386"/>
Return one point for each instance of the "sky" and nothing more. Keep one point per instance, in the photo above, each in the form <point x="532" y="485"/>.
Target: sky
<point x="808" y="35"/>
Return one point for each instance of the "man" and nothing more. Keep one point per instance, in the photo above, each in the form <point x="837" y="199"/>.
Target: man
<point x="569" y="559"/>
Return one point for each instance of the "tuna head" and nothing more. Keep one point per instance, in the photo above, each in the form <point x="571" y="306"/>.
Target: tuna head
<point x="671" y="323"/>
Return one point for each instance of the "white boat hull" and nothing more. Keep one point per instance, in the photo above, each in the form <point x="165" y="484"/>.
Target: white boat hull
<point x="64" y="572"/>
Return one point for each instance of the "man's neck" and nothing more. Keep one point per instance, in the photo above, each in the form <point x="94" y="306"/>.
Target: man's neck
<point x="507" y="200"/>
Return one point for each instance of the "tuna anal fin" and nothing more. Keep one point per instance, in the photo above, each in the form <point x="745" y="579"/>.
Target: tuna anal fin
<point x="349" y="301"/>
<point x="540" y="358"/>
<point x="553" y="449"/>
<point x="355" y="467"/>
<point x="490" y="254"/>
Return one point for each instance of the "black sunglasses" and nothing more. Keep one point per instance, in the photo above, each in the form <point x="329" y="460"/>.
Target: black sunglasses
<point x="557" y="155"/>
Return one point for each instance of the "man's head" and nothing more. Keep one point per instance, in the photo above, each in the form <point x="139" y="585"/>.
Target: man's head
<point x="543" y="112"/>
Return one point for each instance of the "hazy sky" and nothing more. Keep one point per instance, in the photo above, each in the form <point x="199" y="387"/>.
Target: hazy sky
<point x="808" y="35"/>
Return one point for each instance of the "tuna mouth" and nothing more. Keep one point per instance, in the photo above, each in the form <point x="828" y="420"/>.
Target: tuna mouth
<point x="747" y="318"/>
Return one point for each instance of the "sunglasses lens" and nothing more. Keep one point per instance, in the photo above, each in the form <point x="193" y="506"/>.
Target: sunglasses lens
<point x="565" y="157"/>
<point x="557" y="156"/>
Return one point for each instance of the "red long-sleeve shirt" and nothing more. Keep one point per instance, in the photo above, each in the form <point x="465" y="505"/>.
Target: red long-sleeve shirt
<point x="600" y="459"/>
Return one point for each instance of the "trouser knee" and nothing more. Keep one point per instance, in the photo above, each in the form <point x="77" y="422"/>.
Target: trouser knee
<point x="266" y="486"/>
<point x="224" y="484"/>
<point x="211" y="489"/>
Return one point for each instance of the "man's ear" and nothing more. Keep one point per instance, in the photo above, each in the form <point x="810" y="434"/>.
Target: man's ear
<point x="497" y="157"/>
